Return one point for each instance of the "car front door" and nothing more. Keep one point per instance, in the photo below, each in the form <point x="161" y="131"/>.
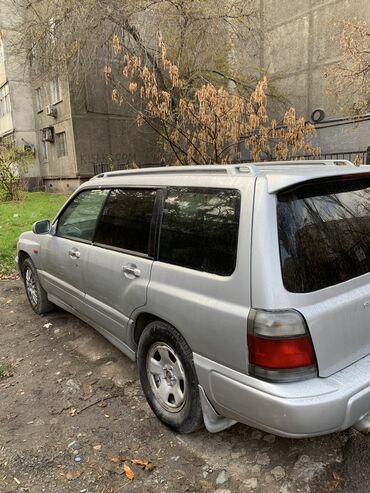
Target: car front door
<point x="120" y="259"/>
<point x="64" y="253"/>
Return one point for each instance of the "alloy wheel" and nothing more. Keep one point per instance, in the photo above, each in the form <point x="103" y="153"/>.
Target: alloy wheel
<point x="166" y="376"/>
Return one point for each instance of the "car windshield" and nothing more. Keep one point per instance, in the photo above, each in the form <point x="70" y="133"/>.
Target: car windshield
<point x="324" y="233"/>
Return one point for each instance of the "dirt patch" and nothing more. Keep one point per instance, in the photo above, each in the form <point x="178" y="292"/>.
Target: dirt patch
<point x="70" y="402"/>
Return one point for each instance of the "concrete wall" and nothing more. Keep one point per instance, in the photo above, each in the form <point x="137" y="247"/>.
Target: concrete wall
<point x="104" y="131"/>
<point x="299" y="43"/>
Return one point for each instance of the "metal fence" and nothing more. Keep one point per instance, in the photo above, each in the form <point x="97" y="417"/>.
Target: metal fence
<point x="357" y="157"/>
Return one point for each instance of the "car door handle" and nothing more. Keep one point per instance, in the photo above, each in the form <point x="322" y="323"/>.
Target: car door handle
<point x="131" y="270"/>
<point x="74" y="253"/>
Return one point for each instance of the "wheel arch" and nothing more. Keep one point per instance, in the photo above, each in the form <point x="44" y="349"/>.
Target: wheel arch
<point x="141" y="321"/>
<point x="22" y="256"/>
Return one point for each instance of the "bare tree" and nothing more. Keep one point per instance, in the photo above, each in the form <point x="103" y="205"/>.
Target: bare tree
<point x="349" y="79"/>
<point x="203" y="123"/>
<point x="74" y="35"/>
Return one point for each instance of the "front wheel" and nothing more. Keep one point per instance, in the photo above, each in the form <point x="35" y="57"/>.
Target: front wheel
<point x="36" y="294"/>
<point x="168" y="377"/>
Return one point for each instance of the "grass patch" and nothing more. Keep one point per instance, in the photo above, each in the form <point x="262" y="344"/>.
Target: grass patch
<point x="18" y="216"/>
<point x="4" y="371"/>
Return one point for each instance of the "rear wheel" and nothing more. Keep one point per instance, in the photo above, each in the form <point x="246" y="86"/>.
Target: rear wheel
<point x="168" y="377"/>
<point x="36" y="294"/>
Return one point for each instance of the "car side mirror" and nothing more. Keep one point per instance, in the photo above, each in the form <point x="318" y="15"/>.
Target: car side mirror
<point x="41" y="227"/>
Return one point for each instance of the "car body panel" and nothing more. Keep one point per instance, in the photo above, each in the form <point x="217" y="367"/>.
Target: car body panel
<point x="111" y="296"/>
<point x="300" y="409"/>
<point x="209" y="310"/>
<point x="61" y="275"/>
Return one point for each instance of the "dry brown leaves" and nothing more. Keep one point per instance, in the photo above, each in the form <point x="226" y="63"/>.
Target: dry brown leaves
<point x="72" y="475"/>
<point x="207" y="124"/>
<point x="128" y="472"/>
<point x="333" y="484"/>
<point x="145" y="464"/>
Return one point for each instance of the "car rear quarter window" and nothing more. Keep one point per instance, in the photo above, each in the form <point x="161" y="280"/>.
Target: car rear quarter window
<point x="324" y="233"/>
<point x="200" y="229"/>
<point x="78" y="220"/>
<point x="126" y="219"/>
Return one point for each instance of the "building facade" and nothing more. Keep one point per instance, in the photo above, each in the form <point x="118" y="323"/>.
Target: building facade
<point x="299" y="43"/>
<point x="73" y="130"/>
<point x="80" y="131"/>
<point x="76" y="131"/>
<point x="17" y="121"/>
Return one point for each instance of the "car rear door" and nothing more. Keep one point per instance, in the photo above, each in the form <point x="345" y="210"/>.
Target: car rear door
<point x="120" y="258"/>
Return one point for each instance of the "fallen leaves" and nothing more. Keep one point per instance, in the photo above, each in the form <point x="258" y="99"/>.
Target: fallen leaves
<point x="72" y="475"/>
<point x="145" y="464"/>
<point x="9" y="277"/>
<point x="129" y="472"/>
<point x="333" y="484"/>
<point x="117" y="460"/>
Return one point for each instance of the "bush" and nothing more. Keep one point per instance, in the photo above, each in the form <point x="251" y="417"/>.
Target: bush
<point x="14" y="162"/>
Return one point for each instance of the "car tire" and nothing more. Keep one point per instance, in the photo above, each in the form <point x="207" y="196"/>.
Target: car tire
<point x="168" y="377"/>
<point x="36" y="294"/>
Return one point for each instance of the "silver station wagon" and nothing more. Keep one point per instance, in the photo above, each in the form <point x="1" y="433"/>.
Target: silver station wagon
<point x="242" y="291"/>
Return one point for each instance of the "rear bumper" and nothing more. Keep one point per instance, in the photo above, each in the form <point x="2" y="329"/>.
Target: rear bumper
<point x="301" y="409"/>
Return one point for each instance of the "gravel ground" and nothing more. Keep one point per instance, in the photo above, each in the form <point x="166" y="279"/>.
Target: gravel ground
<point x="70" y="403"/>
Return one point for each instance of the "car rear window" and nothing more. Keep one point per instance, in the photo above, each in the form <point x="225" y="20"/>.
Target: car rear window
<point x="324" y="233"/>
<point x="200" y="229"/>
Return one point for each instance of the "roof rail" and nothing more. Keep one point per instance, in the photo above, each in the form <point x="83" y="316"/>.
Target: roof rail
<point x="316" y="162"/>
<point x="222" y="169"/>
<point x="231" y="169"/>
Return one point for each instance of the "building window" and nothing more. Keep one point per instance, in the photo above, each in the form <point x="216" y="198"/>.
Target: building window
<point x="4" y="100"/>
<point x="55" y="91"/>
<point x="44" y="147"/>
<point x="60" y="141"/>
<point x="39" y="101"/>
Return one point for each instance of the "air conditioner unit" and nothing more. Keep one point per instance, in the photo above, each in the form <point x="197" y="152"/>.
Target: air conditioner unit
<point x="51" y="110"/>
<point x="29" y="148"/>
<point x="47" y="134"/>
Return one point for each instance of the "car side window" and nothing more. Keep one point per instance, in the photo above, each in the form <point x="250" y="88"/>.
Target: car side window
<point x="126" y="219"/>
<point x="78" y="220"/>
<point x="200" y="229"/>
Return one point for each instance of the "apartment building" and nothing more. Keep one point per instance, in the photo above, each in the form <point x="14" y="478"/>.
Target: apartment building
<point x="17" y="122"/>
<point x="70" y="128"/>
<point x="79" y="129"/>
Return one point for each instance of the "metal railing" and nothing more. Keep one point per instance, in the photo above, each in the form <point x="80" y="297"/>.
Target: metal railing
<point x="357" y="157"/>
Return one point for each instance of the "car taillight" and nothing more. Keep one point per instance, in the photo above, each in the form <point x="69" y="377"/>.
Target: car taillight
<point x="280" y="347"/>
